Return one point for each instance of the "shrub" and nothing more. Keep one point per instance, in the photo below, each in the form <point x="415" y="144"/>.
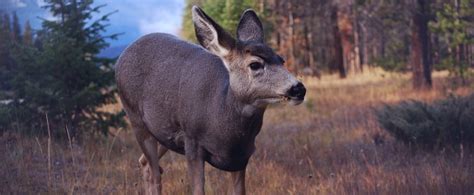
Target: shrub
<point x="444" y="123"/>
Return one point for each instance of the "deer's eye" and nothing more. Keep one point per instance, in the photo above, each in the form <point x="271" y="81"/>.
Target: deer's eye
<point x="256" y="65"/>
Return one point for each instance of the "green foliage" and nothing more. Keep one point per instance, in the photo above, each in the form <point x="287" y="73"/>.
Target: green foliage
<point x="6" y="63"/>
<point x="16" y="29"/>
<point x="28" y="34"/>
<point x="62" y="77"/>
<point x="444" y="123"/>
<point x="452" y="26"/>
<point x="225" y="12"/>
<point x="187" y="30"/>
<point x="228" y="14"/>
<point x="395" y="52"/>
<point x="391" y="63"/>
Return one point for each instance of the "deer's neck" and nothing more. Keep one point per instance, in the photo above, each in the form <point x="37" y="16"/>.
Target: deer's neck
<point x="241" y="105"/>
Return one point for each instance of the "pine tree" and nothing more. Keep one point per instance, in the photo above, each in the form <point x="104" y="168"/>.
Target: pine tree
<point x="187" y="30"/>
<point x="65" y="79"/>
<point x="3" y="54"/>
<point x="452" y="25"/>
<point x="5" y="60"/>
<point x="16" y="29"/>
<point x="28" y="34"/>
<point x="226" y="13"/>
<point x="5" y="68"/>
<point x="6" y="25"/>
<point x="230" y="15"/>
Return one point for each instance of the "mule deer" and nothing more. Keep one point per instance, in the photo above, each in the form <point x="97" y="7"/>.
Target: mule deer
<point x="204" y="102"/>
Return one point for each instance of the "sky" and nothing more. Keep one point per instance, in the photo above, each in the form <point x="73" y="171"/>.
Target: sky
<point x="134" y="17"/>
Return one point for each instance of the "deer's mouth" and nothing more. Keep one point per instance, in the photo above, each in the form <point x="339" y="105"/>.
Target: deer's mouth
<point x="282" y="99"/>
<point x="292" y="100"/>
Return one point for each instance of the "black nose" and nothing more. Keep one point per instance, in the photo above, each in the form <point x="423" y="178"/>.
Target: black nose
<point x="297" y="91"/>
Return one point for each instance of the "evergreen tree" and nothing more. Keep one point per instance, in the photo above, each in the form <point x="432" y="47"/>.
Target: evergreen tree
<point x="231" y="14"/>
<point x="65" y="79"/>
<point x="28" y="34"/>
<point x="187" y="30"/>
<point x="5" y="67"/>
<point x="226" y="13"/>
<point x="215" y="8"/>
<point x="4" y="37"/>
<point x="5" y="60"/>
<point x="3" y="54"/>
<point x="16" y="29"/>
<point x="6" y="25"/>
<point x="452" y="25"/>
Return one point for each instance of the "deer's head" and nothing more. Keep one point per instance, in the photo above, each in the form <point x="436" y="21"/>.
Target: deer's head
<point x="257" y="75"/>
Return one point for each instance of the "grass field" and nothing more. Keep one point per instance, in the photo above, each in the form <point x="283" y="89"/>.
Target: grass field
<point x="331" y="144"/>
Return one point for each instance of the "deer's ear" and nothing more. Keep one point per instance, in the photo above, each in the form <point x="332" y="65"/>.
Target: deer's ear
<point x="210" y="35"/>
<point x="250" y="28"/>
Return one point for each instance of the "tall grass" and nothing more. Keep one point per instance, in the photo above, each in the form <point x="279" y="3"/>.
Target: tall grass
<point x="332" y="144"/>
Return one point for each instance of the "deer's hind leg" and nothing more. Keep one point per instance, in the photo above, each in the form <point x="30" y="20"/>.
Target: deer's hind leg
<point x="149" y="161"/>
<point x="145" y="165"/>
<point x="161" y="152"/>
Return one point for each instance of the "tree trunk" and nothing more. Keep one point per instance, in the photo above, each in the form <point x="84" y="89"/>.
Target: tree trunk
<point x="310" y="66"/>
<point x="309" y="52"/>
<point x="416" y="59"/>
<point x="357" y="54"/>
<point x="338" y="58"/>
<point x="460" y="49"/>
<point x="364" y="54"/>
<point x="469" y="56"/>
<point x="421" y="58"/>
<point x="345" y="26"/>
<point x="382" y="45"/>
<point x="436" y="49"/>
<point x="291" y="34"/>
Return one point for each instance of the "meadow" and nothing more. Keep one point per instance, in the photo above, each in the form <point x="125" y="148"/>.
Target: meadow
<point x="331" y="144"/>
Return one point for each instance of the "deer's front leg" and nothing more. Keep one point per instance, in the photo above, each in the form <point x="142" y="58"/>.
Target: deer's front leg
<point x="195" y="160"/>
<point x="238" y="182"/>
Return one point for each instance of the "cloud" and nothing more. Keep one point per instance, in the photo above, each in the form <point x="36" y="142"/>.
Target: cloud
<point x="133" y="19"/>
<point x="160" y="21"/>
<point x="12" y="4"/>
<point x="40" y="3"/>
<point x="148" y="15"/>
<point x="18" y="3"/>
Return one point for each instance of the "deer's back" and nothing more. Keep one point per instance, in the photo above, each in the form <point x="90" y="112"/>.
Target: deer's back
<point x="165" y="82"/>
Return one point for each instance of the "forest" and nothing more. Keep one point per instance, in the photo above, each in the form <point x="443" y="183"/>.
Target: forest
<point x="389" y="107"/>
<point x="347" y="36"/>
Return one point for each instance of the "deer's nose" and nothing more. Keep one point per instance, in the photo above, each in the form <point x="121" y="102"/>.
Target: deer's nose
<point x="298" y="91"/>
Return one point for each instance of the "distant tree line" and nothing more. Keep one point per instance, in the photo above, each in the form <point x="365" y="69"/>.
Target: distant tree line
<point x="51" y="77"/>
<point x="345" y="36"/>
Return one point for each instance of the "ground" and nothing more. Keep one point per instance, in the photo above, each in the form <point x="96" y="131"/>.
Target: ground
<point x="331" y="144"/>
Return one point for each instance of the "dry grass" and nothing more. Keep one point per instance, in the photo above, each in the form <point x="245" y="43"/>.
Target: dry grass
<point x="329" y="145"/>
